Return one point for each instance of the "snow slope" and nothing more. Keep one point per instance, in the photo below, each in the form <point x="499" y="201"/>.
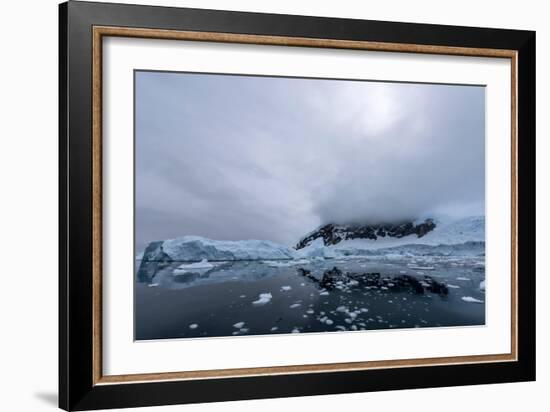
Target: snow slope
<point x="446" y="232"/>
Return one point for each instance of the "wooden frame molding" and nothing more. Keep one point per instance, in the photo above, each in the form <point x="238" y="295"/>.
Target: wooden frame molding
<point x="101" y="31"/>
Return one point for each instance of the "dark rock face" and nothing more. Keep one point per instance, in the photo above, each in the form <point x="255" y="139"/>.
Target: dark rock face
<point x="333" y="277"/>
<point x="333" y="234"/>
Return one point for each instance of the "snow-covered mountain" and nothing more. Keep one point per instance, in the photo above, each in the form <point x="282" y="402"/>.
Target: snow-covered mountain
<point x="332" y="234"/>
<point x="431" y="232"/>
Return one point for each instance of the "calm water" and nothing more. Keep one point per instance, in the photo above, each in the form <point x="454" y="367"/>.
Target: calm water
<point x="225" y="300"/>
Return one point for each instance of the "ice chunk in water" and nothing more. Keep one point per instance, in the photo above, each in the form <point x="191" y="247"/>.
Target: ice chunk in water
<point x="203" y="264"/>
<point x="263" y="299"/>
<point x="471" y="299"/>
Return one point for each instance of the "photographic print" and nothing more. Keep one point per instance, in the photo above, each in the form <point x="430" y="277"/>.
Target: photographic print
<point x="279" y="205"/>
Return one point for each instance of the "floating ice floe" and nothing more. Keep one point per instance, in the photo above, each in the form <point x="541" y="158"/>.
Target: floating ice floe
<point x="152" y="285"/>
<point x="263" y="299"/>
<point x="286" y="288"/>
<point x="392" y="256"/>
<point x="462" y="278"/>
<point x="471" y="299"/>
<point x="453" y="286"/>
<point x="202" y="265"/>
<point x="286" y="263"/>
<point x="482" y="285"/>
<point x="421" y="267"/>
<point x="193" y="326"/>
<point x="238" y="325"/>
<point x="295" y="305"/>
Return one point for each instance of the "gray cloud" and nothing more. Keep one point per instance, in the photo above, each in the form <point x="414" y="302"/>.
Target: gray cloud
<point x="235" y="157"/>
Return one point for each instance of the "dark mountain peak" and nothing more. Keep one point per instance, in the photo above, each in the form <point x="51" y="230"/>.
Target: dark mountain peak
<point x="333" y="233"/>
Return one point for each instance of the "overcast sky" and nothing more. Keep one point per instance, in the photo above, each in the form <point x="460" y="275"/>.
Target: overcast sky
<point x="239" y="157"/>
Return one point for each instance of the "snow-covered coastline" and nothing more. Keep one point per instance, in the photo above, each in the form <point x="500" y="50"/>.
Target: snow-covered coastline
<point x="460" y="237"/>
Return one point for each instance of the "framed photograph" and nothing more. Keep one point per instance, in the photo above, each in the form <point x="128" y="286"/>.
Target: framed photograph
<point x="256" y="205"/>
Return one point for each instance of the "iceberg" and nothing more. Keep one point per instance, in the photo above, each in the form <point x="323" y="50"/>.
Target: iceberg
<point x="196" y="248"/>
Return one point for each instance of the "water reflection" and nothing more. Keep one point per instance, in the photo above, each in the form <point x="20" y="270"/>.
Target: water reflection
<point x="322" y="295"/>
<point x="328" y="274"/>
